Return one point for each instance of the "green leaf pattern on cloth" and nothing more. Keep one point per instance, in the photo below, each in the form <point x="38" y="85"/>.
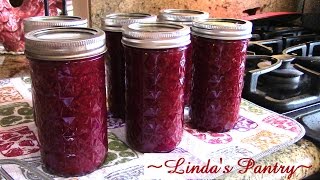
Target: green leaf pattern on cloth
<point x="249" y="107"/>
<point x="119" y="152"/>
<point x="15" y="113"/>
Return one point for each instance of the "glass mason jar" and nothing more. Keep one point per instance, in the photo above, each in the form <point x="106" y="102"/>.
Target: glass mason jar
<point x="69" y="97"/>
<point x="155" y="55"/>
<point x="112" y="25"/>
<point x="185" y="17"/>
<point x="219" y="53"/>
<point x="40" y="22"/>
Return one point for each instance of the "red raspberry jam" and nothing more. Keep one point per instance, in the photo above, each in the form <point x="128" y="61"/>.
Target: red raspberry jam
<point x="219" y="53"/>
<point x="112" y="25"/>
<point x="69" y="98"/>
<point x="155" y="71"/>
<point x="185" y="17"/>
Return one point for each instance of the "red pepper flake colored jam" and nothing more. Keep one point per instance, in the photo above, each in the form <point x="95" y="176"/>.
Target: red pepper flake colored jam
<point x="69" y="108"/>
<point x="115" y="74"/>
<point x="217" y="82"/>
<point x="154" y="110"/>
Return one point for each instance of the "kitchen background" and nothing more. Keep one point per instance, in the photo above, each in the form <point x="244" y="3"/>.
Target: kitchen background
<point x="95" y="9"/>
<point x="303" y="151"/>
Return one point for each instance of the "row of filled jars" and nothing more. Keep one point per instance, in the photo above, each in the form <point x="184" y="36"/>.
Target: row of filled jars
<point x="152" y="66"/>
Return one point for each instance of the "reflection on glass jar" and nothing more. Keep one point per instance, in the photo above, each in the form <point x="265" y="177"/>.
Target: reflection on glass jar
<point x="155" y="56"/>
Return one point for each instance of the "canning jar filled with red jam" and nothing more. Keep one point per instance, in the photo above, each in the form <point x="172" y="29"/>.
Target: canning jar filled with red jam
<point x="219" y="53"/>
<point x="185" y="17"/>
<point x="112" y="25"/>
<point x="155" y="55"/>
<point x="69" y="97"/>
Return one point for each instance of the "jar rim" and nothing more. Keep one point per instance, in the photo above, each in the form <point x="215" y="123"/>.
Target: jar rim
<point x="222" y="28"/>
<point x="115" y="21"/>
<point x="182" y="15"/>
<point x="38" y="22"/>
<point x="156" y="35"/>
<point x="64" y="43"/>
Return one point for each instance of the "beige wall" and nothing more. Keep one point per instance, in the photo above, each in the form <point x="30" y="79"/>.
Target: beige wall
<point x="81" y="8"/>
<point x="216" y="8"/>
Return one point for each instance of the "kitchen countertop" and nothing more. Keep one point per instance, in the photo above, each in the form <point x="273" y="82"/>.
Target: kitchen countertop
<point x="302" y="152"/>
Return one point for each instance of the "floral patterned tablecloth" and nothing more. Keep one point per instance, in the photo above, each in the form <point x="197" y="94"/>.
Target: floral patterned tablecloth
<point x="258" y="133"/>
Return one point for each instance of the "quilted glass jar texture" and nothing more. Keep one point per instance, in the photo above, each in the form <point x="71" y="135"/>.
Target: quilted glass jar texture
<point x="219" y="53"/>
<point x="69" y="98"/>
<point x="155" y="73"/>
<point x="154" y="98"/>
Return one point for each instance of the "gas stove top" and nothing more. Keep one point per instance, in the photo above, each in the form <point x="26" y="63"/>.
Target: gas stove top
<point x="275" y="83"/>
<point x="283" y="72"/>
